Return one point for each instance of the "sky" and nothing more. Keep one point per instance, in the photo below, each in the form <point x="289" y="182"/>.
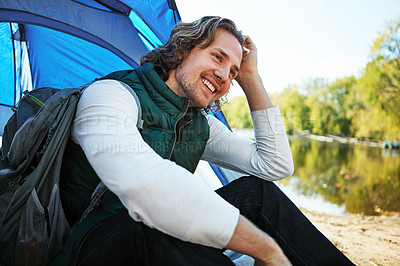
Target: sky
<point x="299" y="40"/>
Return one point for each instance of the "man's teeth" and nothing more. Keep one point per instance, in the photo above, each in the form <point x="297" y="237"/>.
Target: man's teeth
<point x="208" y="84"/>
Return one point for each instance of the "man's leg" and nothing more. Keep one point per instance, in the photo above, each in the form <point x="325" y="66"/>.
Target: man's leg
<point x="119" y="240"/>
<point x="268" y="207"/>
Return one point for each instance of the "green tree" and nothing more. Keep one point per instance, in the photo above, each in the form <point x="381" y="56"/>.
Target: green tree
<point x="343" y="100"/>
<point x="294" y="111"/>
<point x="380" y="87"/>
<point x="237" y="112"/>
<point x="323" y="114"/>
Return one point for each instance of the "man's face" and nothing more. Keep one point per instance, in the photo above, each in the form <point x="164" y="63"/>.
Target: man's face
<point x="206" y="74"/>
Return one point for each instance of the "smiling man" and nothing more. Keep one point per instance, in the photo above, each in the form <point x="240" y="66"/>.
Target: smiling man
<point x="156" y="212"/>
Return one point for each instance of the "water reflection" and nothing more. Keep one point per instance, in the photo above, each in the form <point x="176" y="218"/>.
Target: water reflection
<point x="363" y="179"/>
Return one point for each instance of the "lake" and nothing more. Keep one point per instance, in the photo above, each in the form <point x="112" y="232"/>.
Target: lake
<point x="339" y="178"/>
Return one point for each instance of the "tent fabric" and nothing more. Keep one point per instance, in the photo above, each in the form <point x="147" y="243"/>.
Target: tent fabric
<point x="14" y="67"/>
<point x="7" y="64"/>
<point x="52" y="52"/>
<point x="66" y="43"/>
<point x="113" y="31"/>
<point x="157" y="14"/>
<point x="144" y="30"/>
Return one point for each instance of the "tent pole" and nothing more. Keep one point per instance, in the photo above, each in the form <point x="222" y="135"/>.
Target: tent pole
<point x="14" y="63"/>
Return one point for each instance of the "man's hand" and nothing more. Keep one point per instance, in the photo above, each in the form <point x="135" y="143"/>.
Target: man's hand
<point x="248" y="239"/>
<point x="249" y="79"/>
<point x="278" y="260"/>
<point x="248" y="65"/>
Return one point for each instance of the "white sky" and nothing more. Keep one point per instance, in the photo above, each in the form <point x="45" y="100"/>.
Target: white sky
<point x="302" y="39"/>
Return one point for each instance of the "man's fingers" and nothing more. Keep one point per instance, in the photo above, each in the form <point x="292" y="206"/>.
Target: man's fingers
<point x="248" y="40"/>
<point x="248" y="45"/>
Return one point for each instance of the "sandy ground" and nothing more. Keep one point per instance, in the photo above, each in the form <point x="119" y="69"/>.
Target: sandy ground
<point x="366" y="240"/>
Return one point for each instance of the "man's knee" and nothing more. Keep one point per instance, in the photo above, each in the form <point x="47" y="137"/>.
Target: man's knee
<point x="253" y="183"/>
<point x="247" y="191"/>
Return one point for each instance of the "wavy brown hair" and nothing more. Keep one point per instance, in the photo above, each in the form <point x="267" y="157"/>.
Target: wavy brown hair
<point x="184" y="37"/>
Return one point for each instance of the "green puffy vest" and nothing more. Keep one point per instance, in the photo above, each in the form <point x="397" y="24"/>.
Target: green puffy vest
<point x="173" y="130"/>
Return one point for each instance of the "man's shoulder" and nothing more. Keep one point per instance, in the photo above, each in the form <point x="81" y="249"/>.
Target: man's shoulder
<point x="135" y="76"/>
<point x="129" y="74"/>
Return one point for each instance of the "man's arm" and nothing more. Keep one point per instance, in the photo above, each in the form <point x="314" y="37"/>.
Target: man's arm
<point x="247" y="238"/>
<point x="269" y="156"/>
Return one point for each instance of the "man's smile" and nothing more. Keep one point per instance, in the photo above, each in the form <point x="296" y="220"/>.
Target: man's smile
<point x="208" y="85"/>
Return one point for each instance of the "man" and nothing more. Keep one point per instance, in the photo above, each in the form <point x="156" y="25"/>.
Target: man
<point x="156" y="211"/>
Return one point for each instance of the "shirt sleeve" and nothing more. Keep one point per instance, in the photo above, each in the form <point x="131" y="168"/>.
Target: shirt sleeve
<point x="154" y="190"/>
<point x="268" y="156"/>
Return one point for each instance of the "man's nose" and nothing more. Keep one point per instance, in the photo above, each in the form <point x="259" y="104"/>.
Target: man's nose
<point x="223" y="74"/>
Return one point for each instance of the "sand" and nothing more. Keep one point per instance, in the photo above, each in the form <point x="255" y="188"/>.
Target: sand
<point x="366" y="240"/>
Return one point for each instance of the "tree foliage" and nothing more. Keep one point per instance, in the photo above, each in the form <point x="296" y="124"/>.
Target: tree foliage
<point x="237" y="112"/>
<point x="367" y="107"/>
<point x="380" y="85"/>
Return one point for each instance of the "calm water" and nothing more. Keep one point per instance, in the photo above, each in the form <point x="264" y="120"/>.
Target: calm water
<point x="338" y="178"/>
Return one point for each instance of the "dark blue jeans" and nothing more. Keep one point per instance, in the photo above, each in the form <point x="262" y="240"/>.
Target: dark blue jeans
<point x="121" y="241"/>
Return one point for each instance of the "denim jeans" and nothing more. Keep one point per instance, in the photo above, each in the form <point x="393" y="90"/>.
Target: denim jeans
<point x="121" y="241"/>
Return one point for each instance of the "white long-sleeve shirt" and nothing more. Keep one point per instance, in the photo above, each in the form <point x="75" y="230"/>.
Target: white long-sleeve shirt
<point x="160" y="193"/>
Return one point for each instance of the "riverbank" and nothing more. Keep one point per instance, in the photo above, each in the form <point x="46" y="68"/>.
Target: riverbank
<point x="326" y="138"/>
<point x="334" y="138"/>
<point x="366" y="240"/>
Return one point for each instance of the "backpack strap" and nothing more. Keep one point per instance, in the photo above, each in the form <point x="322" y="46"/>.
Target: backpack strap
<point x="95" y="202"/>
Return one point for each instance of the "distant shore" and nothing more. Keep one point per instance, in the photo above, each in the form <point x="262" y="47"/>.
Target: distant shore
<point x="246" y="132"/>
<point x="340" y="139"/>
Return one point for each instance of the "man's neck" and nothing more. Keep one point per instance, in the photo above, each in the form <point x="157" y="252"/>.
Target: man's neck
<point x="171" y="82"/>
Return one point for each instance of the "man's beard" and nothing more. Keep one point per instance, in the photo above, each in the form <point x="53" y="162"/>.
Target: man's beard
<point x="189" y="89"/>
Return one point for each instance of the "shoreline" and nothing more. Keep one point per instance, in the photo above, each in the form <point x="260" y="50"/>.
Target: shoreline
<point x="348" y="140"/>
<point x="247" y="132"/>
<point x="365" y="240"/>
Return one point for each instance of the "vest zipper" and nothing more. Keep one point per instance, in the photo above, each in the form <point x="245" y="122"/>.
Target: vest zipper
<point x="175" y="131"/>
<point x="180" y="129"/>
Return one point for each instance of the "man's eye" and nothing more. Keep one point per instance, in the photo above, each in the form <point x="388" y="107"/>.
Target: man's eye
<point x="217" y="57"/>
